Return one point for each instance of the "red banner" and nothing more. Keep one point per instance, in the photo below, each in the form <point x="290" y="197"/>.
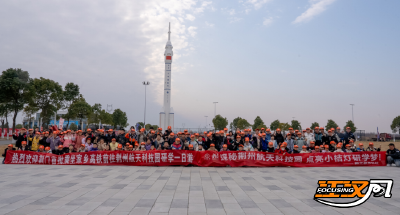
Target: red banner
<point x="204" y="159"/>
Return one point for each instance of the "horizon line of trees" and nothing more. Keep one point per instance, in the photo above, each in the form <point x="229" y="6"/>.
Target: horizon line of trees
<point x="19" y="93"/>
<point x="221" y="123"/>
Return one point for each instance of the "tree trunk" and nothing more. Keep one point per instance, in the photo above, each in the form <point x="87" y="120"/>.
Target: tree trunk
<point x="14" y="119"/>
<point x="68" y="123"/>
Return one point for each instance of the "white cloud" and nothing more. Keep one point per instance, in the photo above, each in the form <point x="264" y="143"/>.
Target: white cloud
<point x="190" y="17"/>
<point x="192" y="31"/>
<point x="229" y="11"/>
<point x="317" y="7"/>
<point x="203" y="6"/>
<point x="209" y="24"/>
<point x="257" y="4"/>
<point x="234" y="19"/>
<point x="268" y="21"/>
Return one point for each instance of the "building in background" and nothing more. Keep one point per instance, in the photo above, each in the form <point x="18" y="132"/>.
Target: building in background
<point x="34" y="122"/>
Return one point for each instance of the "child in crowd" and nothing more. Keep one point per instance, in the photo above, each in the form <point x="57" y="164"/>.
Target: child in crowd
<point x="177" y="144"/>
<point x="360" y="147"/>
<point x="48" y="150"/>
<point x="296" y="149"/>
<point x="142" y="146"/>
<point x="282" y="149"/>
<point x="94" y="147"/>
<point x="113" y="144"/>
<point x="311" y="147"/>
<point x="339" y="147"/>
<point x="317" y="149"/>
<point x="304" y="149"/>
<point x="41" y="149"/>
<point x="372" y="148"/>
<point x="23" y="147"/>
<point x="224" y="148"/>
<point x="271" y="148"/>
<point x="240" y="148"/>
<point x="119" y="147"/>
<point x="326" y="148"/>
<point x="300" y="141"/>
<point x="82" y="148"/>
<point x="212" y="148"/>
<point x="59" y="150"/>
<point x="71" y="149"/>
<point x="200" y="148"/>
<point x="247" y="145"/>
<point x="348" y="148"/>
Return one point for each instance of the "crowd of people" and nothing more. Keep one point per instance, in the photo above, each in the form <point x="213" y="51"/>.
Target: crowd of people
<point x="315" y="140"/>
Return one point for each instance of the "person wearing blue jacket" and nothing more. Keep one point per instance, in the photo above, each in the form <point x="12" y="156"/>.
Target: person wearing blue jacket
<point x="264" y="142"/>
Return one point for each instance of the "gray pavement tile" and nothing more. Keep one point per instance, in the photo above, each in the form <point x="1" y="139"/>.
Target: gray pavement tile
<point x="66" y="185"/>
<point x="13" y="199"/>
<point x="59" y="175"/>
<point x="247" y="188"/>
<point x="118" y="186"/>
<point x="145" y="203"/>
<point x="268" y="178"/>
<point x="185" y="178"/>
<point x="163" y="178"/>
<point x="80" y="176"/>
<point x="280" y="203"/>
<point x="141" y="171"/>
<point x="179" y="203"/>
<point x="248" y="178"/>
<point x="212" y="171"/>
<point x="206" y="178"/>
<point x="196" y="188"/>
<point x="159" y="170"/>
<point x="79" y="201"/>
<point x="92" y="185"/>
<point x="177" y="171"/>
<point x="144" y="187"/>
<point x="121" y="177"/>
<point x="169" y="187"/>
<point x="226" y="178"/>
<point x="111" y="202"/>
<point x="143" y="177"/>
<point x="100" y="176"/>
<point x="247" y="204"/>
<point x="211" y="203"/>
<point x="45" y="201"/>
<point x="221" y="188"/>
<point x="273" y="187"/>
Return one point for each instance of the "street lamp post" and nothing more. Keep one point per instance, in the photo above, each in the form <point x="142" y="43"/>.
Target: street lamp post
<point x="206" y="121"/>
<point x="215" y="108"/>
<point x="352" y="116"/>
<point x="145" y="83"/>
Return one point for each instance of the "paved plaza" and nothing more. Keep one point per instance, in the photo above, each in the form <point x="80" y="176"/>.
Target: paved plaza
<point x="35" y="189"/>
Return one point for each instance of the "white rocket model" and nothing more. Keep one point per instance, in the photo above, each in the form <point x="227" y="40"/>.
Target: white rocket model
<point x="167" y="112"/>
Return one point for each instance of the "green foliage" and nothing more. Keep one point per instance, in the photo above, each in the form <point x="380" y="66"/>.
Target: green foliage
<point x="71" y="93"/>
<point x="14" y="90"/>
<point x="94" y="116"/>
<point x="351" y="125"/>
<point x="234" y="123"/>
<point x="147" y="127"/>
<point x="296" y="125"/>
<point x="46" y="95"/>
<point x="257" y="123"/>
<point x="314" y="124"/>
<point x="141" y="125"/>
<point x="395" y="126"/>
<point x="106" y="118"/>
<point x="242" y="124"/>
<point x="262" y="126"/>
<point x="155" y="127"/>
<point x="19" y="126"/>
<point x="73" y="126"/>
<point x="80" y="108"/>
<point x="284" y="126"/>
<point x="219" y="122"/>
<point x="331" y="124"/>
<point x="119" y="118"/>
<point x="275" y="124"/>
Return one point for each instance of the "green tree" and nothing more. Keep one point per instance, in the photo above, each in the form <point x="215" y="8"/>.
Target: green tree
<point x="81" y="109"/>
<point x="141" y="125"/>
<point x="106" y="118"/>
<point x="70" y="94"/>
<point x="18" y="126"/>
<point x="155" y="127"/>
<point x="257" y="123"/>
<point x="351" y="125"/>
<point x="5" y="110"/>
<point x="234" y="123"/>
<point x="395" y="126"/>
<point x="73" y="126"/>
<point x="242" y="124"/>
<point x="275" y="124"/>
<point x="119" y="118"/>
<point x="331" y="124"/>
<point x="262" y="126"/>
<point x="314" y="124"/>
<point x="219" y="122"/>
<point x="296" y="125"/>
<point x="14" y="90"/>
<point x="94" y="117"/>
<point x="284" y="126"/>
<point x="147" y="127"/>
<point x="46" y="95"/>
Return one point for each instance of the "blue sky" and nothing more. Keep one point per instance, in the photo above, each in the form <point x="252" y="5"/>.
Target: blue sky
<point x="268" y="58"/>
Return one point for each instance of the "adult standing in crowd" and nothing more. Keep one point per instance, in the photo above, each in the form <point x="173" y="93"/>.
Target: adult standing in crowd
<point x="54" y="141"/>
<point x="393" y="155"/>
<point x="19" y="137"/>
<point x="348" y="136"/>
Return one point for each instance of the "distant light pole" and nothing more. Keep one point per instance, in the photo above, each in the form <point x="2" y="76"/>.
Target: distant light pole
<point x="145" y="83"/>
<point x="215" y="108"/>
<point x="206" y="121"/>
<point x="352" y="116"/>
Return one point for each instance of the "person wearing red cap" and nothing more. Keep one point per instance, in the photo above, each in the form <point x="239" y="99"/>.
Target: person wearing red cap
<point x="212" y="148"/>
<point x="348" y="136"/>
<point x="278" y="136"/>
<point x="311" y="147"/>
<point x="331" y="137"/>
<point x="339" y="147"/>
<point x="210" y="140"/>
<point x="290" y="142"/>
<point x="309" y="136"/>
<point x="121" y="136"/>
<point x="264" y="142"/>
<point x="235" y="144"/>
<point x="177" y="144"/>
<point x="247" y="146"/>
<point x="271" y="148"/>
<point x="47" y="149"/>
<point x="113" y="144"/>
<point x="317" y="136"/>
<point x="82" y="148"/>
<point x="282" y="149"/>
<point x="19" y="137"/>
<point x="360" y="147"/>
<point x="23" y="147"/>
<point x="224" y="148"/>
<point x="304" y="149"/>
<point x="54" y="141"/>
<point x="325" y="148"/>
<point x="11" y="148"/>
<point x="348" y="149"/>
<point x="159" y="141"/>
<point x="59" y="150"/>
<point x="34" y="141"/>
<point x="339" y="134"/>
<point x="371" y="148"/>
<point x="166" y="146"/>
<point x="71" y="149"/>
<point x="41" y="149"/>
<point x="317" y="149"/>
<point x="109" y="136"/>
<point x="296" y="149"/>
<point x="393" y="155"/>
